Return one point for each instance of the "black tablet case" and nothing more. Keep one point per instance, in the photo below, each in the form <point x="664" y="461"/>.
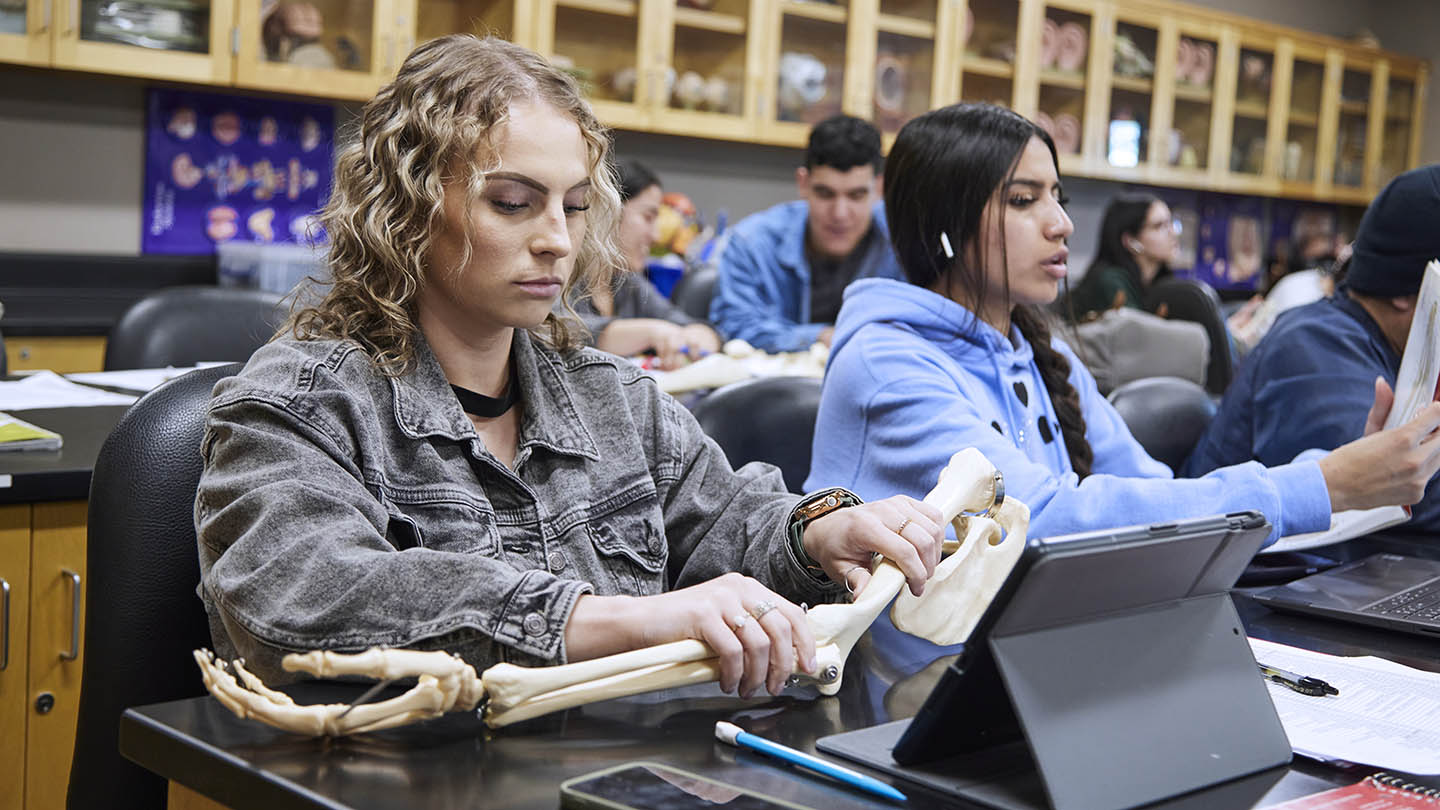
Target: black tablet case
<point x="1112" y="672"/>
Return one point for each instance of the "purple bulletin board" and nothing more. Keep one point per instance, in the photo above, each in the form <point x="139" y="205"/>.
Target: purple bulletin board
<point x="220" y="168"/>
<point x="1230" y="247"/>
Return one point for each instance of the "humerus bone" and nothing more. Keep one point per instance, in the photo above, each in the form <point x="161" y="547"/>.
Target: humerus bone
<point x="962" y="587"/>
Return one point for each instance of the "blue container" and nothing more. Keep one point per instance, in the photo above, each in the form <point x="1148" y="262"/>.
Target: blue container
<point x="664" y="272"/>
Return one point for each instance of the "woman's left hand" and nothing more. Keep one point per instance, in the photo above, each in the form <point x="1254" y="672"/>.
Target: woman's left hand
<point x="906" y="531"/>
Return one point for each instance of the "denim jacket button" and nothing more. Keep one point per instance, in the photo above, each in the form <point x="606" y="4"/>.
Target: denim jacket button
<point x="534" y="624"/>
<point x="557" y="561"/>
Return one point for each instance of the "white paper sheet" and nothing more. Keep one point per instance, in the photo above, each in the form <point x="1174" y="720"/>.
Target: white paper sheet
<point x="1343" y="526"/>
<point x="139" y="379"/>
<point x="1416" y="384"/>
<point x="1386" y="715"/>
<point x="46" y="389"/>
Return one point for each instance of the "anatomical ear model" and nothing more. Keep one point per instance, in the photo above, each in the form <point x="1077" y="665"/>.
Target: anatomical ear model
<point x="970" y="494"/>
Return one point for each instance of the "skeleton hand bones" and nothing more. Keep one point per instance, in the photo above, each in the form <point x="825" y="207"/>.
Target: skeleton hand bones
<point x="961" y="588"/>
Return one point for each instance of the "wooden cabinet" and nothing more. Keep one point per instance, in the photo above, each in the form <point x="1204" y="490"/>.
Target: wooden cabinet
<point x="357" y="51"/>
<point x="186" y="43"/>
<point x="1138" y="90"/>
<point x="60" y="354"/>
<point x="42" y="568"/>
<point x="25" y="32"/>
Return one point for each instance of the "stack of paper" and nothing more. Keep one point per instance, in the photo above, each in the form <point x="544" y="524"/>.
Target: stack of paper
<point x="46" y="389"/>
<point x="1386" y="714"/>
<point x="17" y="434"/>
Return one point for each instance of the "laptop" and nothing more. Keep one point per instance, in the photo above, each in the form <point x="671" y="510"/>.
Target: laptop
<point x="1385" y="590"/>
<point x="1110" y="671"/>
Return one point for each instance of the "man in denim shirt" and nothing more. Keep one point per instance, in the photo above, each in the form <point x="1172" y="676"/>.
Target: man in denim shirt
<point x="431" y="460"/>
<point x="783" y="271"/>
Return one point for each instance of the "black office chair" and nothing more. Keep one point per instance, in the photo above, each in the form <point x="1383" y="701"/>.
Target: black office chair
<point x="1187" y="299"/>
<point x="768" y="419"/>
<point x="694" y="290"/>
<point x="142" y="616"/>
<point x="1165" y="414"/>
<point x="182" y="326"/>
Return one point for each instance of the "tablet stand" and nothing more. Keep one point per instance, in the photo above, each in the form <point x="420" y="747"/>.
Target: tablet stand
<point x="1113" y="711"/>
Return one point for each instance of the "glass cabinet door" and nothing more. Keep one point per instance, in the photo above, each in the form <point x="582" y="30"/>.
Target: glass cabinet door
<point x="1249" y="133"/>
<point x="337" y="48"/>
<point x="179" y="39"/>
<point x="987" y="60"/>
<point x="704" y="57"/>
<point x="1132" y="93"/>
<point x="508" y="19"/>
<point x="807" y="83"/>
<point x="1064" y="59"/>
<point x="1188" y="144"/>
<point x="1350" y="134"/>
<point x="600" y="41"/>
<point x="25" y="31"/>
<point x="905" y="83"/>
<point x="1302" y="118"/>
<point x="1395" y="149"/>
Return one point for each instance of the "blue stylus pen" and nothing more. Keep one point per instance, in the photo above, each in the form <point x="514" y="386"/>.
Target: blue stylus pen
<point x="734" y="735"/>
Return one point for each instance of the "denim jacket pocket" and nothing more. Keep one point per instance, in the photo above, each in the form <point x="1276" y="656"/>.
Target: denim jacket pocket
<point x="443" y="525"/>
<point x="631" y="547"/>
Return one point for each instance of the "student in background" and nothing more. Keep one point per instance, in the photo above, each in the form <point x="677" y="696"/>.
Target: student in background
<point x="632" y="317"/>
<point x="960" y="356"/>
<point x="1311" y="380"/>
<point x="429" y="459"/>
<point x="783" y="270"/>
<point x="1138" y="240"/>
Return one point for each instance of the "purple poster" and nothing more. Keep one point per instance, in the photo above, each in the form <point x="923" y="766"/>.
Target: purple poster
<point x="1229" y="244"/>
<point x="220" y="167"/>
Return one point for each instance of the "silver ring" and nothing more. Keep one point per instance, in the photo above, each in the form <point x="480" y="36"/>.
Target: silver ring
<point x="999" y="496"/>
<point x="900" y="530"/>
<point x="761" y="608"/>
<point x="740" y="621"/>
<point x="846" y="577"/>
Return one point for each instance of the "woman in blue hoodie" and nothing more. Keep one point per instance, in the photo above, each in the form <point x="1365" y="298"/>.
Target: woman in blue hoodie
<point x="960" y="356"/>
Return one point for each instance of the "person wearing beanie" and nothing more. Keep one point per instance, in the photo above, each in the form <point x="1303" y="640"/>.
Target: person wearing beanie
<point x="1311" y="381"/>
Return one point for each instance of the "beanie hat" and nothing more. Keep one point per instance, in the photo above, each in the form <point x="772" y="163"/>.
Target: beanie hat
<point x="1398" y="235"/>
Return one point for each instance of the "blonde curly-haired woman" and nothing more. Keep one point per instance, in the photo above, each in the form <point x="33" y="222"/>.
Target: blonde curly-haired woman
<point x="428" y="458"/>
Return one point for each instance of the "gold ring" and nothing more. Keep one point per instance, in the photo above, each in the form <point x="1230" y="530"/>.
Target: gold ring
<point x="900" y="530"/>
<point x="761" y="608"/>
<point x="740" y="621"/>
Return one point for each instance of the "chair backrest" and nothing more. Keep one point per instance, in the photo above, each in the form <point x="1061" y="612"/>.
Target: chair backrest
<point x="692" y="293"/>
<point x="142" y="615"/>
<point x="182" y="326"/>
<point x="1188" y="299"/>
<point x="768" y="419"/>
<point x="1165" y="414"/>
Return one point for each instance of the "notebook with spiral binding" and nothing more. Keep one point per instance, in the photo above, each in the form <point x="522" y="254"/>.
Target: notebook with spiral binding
<point x="1378" y="791"/>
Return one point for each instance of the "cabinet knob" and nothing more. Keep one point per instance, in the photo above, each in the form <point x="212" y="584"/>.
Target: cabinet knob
<point x="44" y="703"/>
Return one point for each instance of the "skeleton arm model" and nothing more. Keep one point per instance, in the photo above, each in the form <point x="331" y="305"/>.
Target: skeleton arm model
<point x="963" y="585"/>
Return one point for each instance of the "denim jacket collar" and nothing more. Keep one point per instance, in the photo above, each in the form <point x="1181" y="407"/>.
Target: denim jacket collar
<point x="425" y="405"/>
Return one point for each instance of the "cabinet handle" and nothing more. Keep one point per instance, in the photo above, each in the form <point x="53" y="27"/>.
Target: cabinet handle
<point x="74" y="618"/>
<point x="4" y="625"/>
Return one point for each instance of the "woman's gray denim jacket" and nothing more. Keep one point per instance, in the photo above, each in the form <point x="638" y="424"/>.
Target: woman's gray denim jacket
<point x="343" y="509"/>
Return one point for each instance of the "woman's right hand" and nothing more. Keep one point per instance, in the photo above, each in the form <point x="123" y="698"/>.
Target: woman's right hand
<point x="753" y="652"/>
<point x="631" y="336"/>
<point x="1385" y="467"/>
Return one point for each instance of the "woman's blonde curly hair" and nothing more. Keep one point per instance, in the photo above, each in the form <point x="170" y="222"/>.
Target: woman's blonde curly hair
<point x="439" y="115"/>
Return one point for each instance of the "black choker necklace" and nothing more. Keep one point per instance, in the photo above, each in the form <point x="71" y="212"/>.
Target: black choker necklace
<point x="488" y="407"/>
